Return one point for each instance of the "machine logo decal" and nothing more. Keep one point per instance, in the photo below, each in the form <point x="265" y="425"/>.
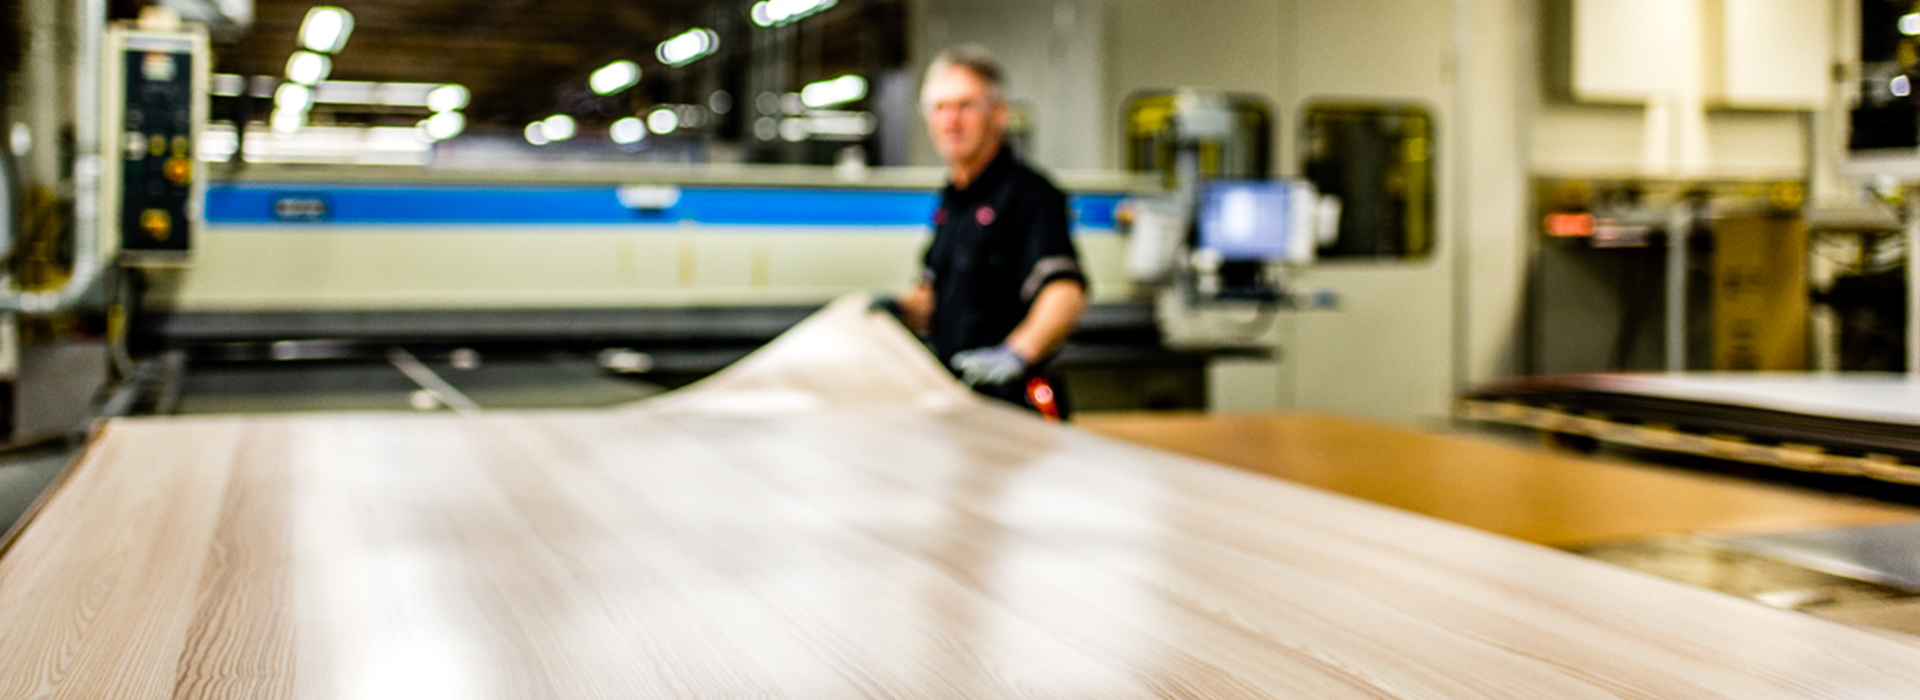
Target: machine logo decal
<point x="300" y="208"/>
<point x="984" y="215"/>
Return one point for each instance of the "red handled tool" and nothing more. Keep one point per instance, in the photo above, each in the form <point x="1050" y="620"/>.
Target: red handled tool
<point x="1040" y="396"/>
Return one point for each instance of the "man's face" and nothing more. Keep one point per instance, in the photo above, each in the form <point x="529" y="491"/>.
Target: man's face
<point x="964" y="117"/>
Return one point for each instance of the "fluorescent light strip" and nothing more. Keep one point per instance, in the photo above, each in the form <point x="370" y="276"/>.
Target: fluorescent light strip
<point x="353" y="92"/>
<point x="326" y="29"/>
<point x="691" y="45"/>
<point x="827" y="93"/>
<point x="614" y="77"/>
<point x="379" y="145"/>
<point x="774" y="13"/>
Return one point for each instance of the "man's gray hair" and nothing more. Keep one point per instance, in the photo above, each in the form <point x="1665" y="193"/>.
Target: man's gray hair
<point x="972" y="58"/>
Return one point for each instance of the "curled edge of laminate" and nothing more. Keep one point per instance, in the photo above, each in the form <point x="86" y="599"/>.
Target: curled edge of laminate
<point x="844" y="356"/>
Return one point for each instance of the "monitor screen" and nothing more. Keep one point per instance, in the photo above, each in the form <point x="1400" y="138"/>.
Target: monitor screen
<point x="1246" y="220"/>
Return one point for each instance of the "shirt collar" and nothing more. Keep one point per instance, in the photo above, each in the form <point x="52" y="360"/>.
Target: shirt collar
<point x="996" y="170"/>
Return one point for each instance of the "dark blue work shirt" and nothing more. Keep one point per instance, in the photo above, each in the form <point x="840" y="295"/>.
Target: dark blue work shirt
<point x="995" y="245"/>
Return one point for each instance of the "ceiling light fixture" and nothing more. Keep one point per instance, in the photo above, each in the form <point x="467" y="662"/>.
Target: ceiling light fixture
<point x="614" y="77"/>
<point x="326" y="29"/>
<point x="627" y="131"/>
<point x="689" y="46"/>
<point x="287" y="121"/>
<point x="558" y="127"/>
<point x="444" y="125"/>
<point x="827" y="93"/>
<point x="308" y="68"/>
<point x="293" y="97"/>
<point x="663" y="120"/>
<point x="449" y="97"/>
<point x="774" y="13"/>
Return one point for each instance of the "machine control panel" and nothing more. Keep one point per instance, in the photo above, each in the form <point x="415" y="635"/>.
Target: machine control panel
<point x="156" y="98"/>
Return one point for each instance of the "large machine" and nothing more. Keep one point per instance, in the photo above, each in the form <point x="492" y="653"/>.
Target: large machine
<point x="139" y="103"/>
<point x="1217" y="247"/>
<point x="176" y="257"/>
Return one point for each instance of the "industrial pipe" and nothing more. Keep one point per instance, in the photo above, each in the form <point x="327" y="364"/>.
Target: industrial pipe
<point x="90" y="26"/>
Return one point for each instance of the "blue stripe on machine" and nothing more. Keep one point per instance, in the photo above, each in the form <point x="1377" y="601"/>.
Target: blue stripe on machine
<point x="337" y="204"/>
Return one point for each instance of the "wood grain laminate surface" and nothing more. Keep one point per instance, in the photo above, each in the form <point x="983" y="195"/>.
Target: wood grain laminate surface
<point x="832" y="518"/>
<point x="1532" y="494"/>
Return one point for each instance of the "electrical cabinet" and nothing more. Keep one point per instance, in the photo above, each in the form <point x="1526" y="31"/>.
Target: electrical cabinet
<point x="155" y="103"/>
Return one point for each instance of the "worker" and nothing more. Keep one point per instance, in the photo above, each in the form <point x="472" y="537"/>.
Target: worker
<point x="1001" y="286"/>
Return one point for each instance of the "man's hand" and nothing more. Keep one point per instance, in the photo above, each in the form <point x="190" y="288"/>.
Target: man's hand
<point x="995" y="365"/>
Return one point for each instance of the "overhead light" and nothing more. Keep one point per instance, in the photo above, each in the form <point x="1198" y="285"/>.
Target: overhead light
<point x="691" y="45"/>
<point x="444" y="125"/>
<point x="286" y="121"/>
<point x="308" y="68"/>
<point x="691" y="116"/>
<point x="627" y="131"/>
<point x="357" y="92"/>
<point x="537" y="134"/>
<point x="773" y="13"/>
<point x="293" y="97"/>
<point x="794" y="129"/>
<point x="663" y="120"/>
<point x="326" y="29"/>
<point x="558" y="127"/>
<point x="448" y="97"/>
<point x="827" y="93"/>
<point x="376" y="145"/>
<point x="614" y="77"/>
<point x="841" y="126"/>
<point x="1910" y="24"/>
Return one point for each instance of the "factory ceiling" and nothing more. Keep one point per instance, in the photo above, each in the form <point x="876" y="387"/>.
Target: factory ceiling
<point x="521" y="59"/>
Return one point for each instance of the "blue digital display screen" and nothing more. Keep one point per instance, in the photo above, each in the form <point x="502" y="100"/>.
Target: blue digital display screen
<point x="1246" y="219"/>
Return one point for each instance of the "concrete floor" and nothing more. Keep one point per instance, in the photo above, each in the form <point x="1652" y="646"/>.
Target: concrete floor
<point x="24" y="474"/>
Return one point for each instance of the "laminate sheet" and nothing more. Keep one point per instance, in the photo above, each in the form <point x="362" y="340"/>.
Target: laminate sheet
<point x="1861" y="396"/>
<point x="831" y="518"/>
<point x="1865" y="424"/>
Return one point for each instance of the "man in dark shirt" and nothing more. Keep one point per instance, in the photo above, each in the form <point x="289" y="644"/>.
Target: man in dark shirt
<point x="1001" y="288"/>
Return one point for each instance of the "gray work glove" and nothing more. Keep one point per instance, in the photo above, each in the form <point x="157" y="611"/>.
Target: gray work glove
<point x="995" y="365"/>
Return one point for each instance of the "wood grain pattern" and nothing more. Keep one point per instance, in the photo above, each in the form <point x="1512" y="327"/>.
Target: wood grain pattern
<point x="1534" y="495"/>
<point x="829" y="519"/>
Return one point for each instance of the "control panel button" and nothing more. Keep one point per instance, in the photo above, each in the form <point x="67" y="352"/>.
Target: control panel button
<point x="179" y="170"/>
<point x="157" y="223"/>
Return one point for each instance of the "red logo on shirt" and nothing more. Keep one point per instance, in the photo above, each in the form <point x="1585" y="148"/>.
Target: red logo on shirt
<point x="939" y="217"/>
<point x="984" y="215"/>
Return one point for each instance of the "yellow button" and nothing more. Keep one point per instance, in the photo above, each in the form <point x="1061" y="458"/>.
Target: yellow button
<point x="157" y="145"/>
<point x="179" y="170"/>
<point x="180" y="146"/>
<point x="157" y="223"/>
